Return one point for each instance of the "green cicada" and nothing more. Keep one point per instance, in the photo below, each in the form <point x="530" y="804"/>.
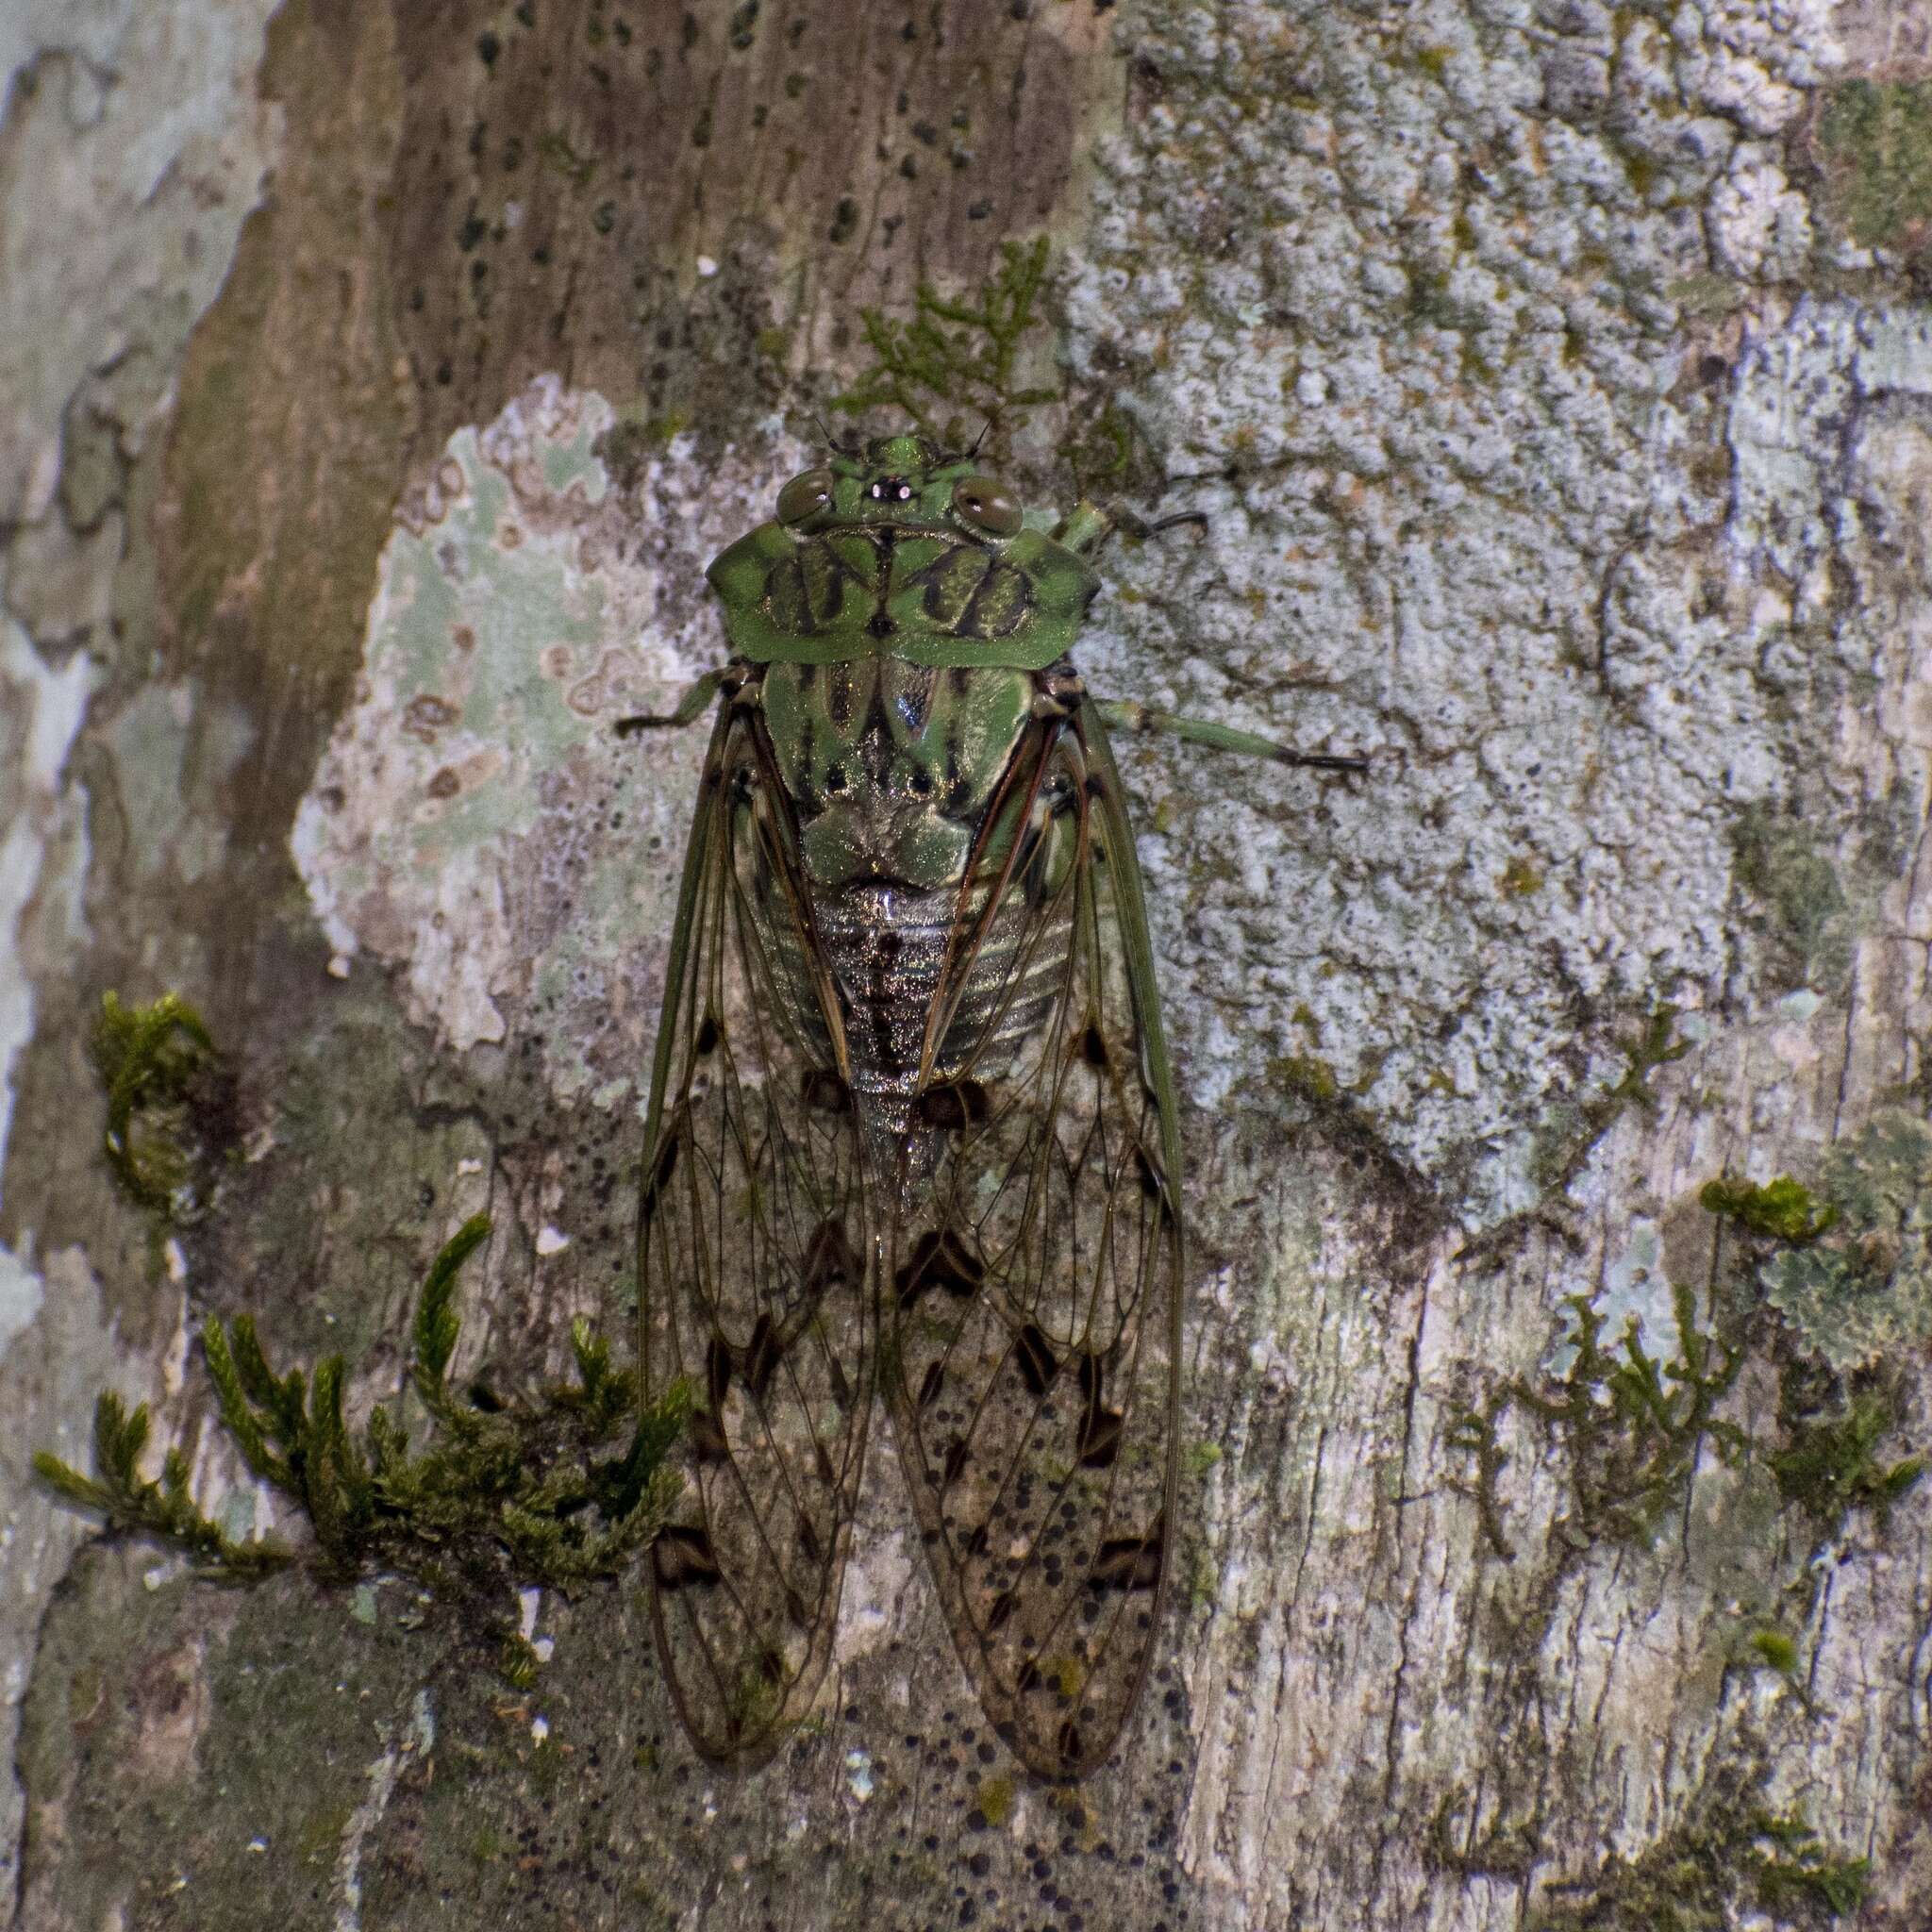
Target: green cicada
<point x="912" y="1128"/>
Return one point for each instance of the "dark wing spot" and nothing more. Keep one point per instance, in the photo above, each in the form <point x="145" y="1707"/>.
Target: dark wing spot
<point x="834" y="1379"/>
<point x="1129" y="1562"/>
<point x="1093" y="1047"/>
<point x="955" y="1463"/>
<point x="1028" y="1675"/>
<point x="824" y="1091"/>
<point x="1100" y="1436"/>
<point x="717" y="1370"/>
<point x="809" y="1539"/>
<point x="939" y="1260"/>
<point x="662" y="1167"/>
<point x="824" y="1459"/>
<point x="794" y="1609"/>
<point x="1070" y="1743"/>
<point x="708" y="1032"/>
<point x="956" y="1105"/>
<point x="761" y="1354"/>
<point x="976" y="1543"/>
<point x="1000" y="1609"/>
<point x="828" y="1257"/>
<point x="934" y="1382"/>
<point x="1038" y="1363"/>
<point x="1151" y="1183"/>
<point x="1100" y="1427"/>
<point x="681" y="1556"/>
<point x="708" y="1441"/>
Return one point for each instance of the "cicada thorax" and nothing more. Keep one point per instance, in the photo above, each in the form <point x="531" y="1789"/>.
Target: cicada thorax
<point x="905" y="783"/>
<point x="879" y="579"/>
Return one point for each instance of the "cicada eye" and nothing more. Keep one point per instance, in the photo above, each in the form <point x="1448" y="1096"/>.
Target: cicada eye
<point x="805" y="496"/>
<point x="986" y="505"/>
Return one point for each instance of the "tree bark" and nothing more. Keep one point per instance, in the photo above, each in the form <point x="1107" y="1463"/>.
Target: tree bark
<point x="1557" y="384"/>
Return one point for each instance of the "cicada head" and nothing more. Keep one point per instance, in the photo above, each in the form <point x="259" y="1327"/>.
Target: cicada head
<point x="898" y="547"/>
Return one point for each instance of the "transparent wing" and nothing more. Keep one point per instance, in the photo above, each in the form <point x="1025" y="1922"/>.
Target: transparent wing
<point x="1031" y="1293"/>
<point x="754" y="1249"/>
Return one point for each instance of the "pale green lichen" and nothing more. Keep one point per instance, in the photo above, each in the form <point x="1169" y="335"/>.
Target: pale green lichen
<point x="1805" y="909"/>
<point x="1876" y="136"/>
<point x="1865" y="1290"/>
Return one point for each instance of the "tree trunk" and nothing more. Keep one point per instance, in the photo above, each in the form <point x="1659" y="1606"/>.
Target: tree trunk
<point x="1557" y="384"/>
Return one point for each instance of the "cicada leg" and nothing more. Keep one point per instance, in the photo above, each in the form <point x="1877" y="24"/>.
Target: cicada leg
<point x="1125" y="714"/>
<point x="690" y="708"/>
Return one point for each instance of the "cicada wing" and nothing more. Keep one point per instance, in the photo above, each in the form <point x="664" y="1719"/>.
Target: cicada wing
<point x="755" y="1243"/>
<point x="1031" y="1296"/>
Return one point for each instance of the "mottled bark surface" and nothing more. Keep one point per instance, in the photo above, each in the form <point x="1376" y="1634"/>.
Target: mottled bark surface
<point x="374" y="383"/>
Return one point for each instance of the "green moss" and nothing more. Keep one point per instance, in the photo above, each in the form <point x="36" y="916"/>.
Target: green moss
<point x="1706" y="294"/>
<point x="1877" y="138"/>
<point x="1519" y="880"/>
<point x="1306" y="1076"/>
<point x="166" y="1509"/>
<point x="1641" y="171"/>
<point x="1505" y="1851"/>
<point x="1633" y="1426"/>
<point x="1564" y="1139"/>
<point x="1783" y="1209"/>
<point x="1109" y="455"/>
<point x="1707" y="1873"/>
<point x="957" y="356"/>
<point x="557" y="151"/>
<point x="995" y="1800"/>
<point x="1829" y="1468"/>
<point x="166" y="1099"/>
<point x="486" y="1845"/>
<point x="1776" y="1651"/>
<point x="508" y="1495"/>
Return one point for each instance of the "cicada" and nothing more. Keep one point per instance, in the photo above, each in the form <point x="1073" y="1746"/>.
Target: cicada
<point x="912" y="1130"/>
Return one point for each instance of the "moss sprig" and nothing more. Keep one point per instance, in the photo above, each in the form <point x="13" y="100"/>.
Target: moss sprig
<point x="1703" y="1876"/>
<point x="1633" y="1426"/>
<point x="1829" y="1467"/>
<point x="506" y="1493"/>
<point x="165" y="1511"/>
<point x="158" y="1065"/>
<point x="957" y="356"/>
<point x="1781" y="1211"/>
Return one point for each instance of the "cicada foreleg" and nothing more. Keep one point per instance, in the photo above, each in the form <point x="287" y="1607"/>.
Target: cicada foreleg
<point x="690" y="708"/>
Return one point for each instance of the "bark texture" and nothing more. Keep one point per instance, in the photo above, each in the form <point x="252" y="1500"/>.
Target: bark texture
<point x="376" y="381"/>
